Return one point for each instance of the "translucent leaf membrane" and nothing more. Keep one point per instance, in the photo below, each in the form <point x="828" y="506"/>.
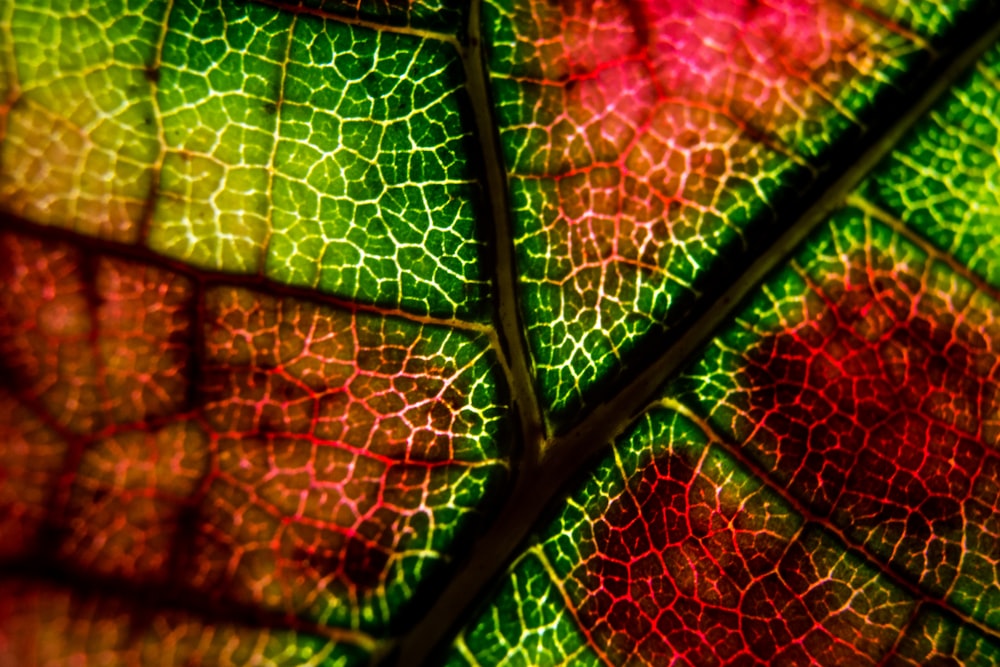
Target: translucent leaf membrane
<point x="646" y="143"/>
<point x="839" y="504"/>
<point x="80" y="133"/>
<point x="252" y="139"/>
<point x="250" y="409"/>
<point x="91" y="341"/>
<point x="444" y="15"/>
<point x="943" y="180"/>
<point x="675" y="553"/>
<point x="42" y="624"/>
<point x="230" y="452"/>
<point x="865" y="378"/>
<point x="821" y="484"/>
<point x="937" y="638"/>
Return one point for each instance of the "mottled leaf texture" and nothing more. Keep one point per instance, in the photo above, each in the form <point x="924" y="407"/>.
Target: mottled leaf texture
<point x="821" y="485"/>
<point x="508" y="332"/>
<point x="647" y="141"/>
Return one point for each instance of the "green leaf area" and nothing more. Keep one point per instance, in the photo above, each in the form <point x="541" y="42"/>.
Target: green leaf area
<point x="508" y="332"/>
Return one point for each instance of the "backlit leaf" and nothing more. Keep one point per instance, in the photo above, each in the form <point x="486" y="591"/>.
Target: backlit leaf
<point x="503" y="332"/>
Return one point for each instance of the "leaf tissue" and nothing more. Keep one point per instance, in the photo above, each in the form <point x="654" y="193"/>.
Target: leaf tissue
<point x="508" y="332"/>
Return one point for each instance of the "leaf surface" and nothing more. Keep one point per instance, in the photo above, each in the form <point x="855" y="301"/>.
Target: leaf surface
<point x="820" y="485"/>
<point x="310" y="309"/>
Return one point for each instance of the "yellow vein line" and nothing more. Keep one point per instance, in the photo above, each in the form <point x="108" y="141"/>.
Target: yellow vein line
<point x="571" y="609"/>
<point x="765" y="476"/>
<point x="935" y="253"/>
<point x="593" y="431"/>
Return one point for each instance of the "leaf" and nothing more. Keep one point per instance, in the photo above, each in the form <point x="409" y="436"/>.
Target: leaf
<point x="820" y="483"/>
<point x="311" y="308"/>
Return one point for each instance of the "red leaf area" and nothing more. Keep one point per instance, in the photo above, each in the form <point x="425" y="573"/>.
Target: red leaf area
<point x="694" y="567"/>
<point x="627" y="70"/>
<point x="875" y="419"/>
<point x="646" y="140"/>
<point x="214" y="447"/>
<point x="880" y="413"/>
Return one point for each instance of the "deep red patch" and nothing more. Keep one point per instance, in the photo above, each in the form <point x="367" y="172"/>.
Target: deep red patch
<point x="876" y="414"/>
